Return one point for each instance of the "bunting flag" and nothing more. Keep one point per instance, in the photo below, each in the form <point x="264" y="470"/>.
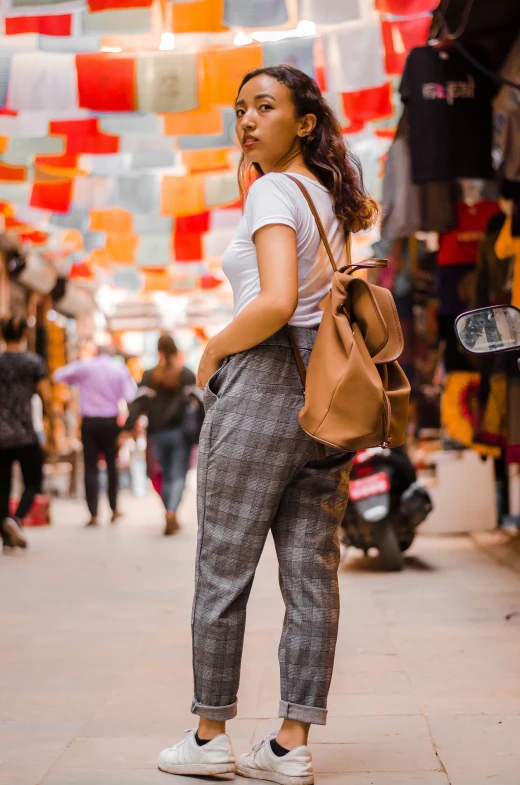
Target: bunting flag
<point x="117" y="134"/>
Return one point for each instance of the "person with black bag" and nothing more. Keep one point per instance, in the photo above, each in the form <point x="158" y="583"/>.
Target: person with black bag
<point x="175" y="415"/>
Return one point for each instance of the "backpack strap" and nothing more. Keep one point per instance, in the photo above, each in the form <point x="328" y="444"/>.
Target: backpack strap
<point x="319" y="224"/>
<point x="378" y="264"/>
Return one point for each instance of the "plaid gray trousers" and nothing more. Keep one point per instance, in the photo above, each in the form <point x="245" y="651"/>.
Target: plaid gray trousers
<point x="258" y="471"/>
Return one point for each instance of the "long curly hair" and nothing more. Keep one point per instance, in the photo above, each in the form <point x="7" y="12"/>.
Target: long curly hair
<point x="324" y="150"/>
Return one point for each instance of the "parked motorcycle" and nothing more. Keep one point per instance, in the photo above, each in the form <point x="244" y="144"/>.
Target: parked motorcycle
<point x="386" y="505"/>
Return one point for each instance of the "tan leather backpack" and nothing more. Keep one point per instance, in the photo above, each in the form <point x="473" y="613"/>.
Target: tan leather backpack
<point x="356" y="394"/>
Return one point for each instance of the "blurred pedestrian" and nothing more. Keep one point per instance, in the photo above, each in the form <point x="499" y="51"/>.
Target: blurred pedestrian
<point x="22" y="374"/>
<point x="103" y="383"/>
<point x="162" y="397"/>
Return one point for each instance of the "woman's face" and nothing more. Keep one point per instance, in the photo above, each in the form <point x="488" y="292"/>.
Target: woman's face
<point x="266" y="124"/>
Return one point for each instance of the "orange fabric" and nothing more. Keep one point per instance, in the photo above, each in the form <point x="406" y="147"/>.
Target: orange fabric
<point x="198" y="121"/>
<point x="157" y="281"/>
<point x="4" y="143"/>
<point x="201" y="16"/>
<point x="182" y="195"/>
<point x="53" y="195"/>
<point x="370" y="104"/>
<point x="17" y="174"/>
<point x="114" y="220"/>
<point x="101" y="258"/>
<point x="122" y="248"/>
<point x="107" y="81"/>
<point x="223" y="70"/>
<point x="60" y="24"/>
<point x="206" y="160"/>
<point x="59" y="165"/>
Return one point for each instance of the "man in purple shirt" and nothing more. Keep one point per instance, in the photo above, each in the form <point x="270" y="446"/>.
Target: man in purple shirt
<point x="103" y="383"/>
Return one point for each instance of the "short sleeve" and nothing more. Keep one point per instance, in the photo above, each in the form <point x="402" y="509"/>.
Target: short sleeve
<point x="271" y="200"/>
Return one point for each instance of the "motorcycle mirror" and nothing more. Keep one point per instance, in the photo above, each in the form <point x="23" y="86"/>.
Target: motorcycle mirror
<point x="489" y="330"/>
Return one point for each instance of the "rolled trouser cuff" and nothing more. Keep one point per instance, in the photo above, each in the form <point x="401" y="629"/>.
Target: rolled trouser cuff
<point x="217" y="713"/>
<point x="294" y="711"/>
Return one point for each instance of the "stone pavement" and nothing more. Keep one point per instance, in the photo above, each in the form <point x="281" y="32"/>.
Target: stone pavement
<point x="95" y="660"/>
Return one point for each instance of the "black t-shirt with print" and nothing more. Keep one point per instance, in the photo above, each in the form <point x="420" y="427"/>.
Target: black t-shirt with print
<point x="450" y="114"/>
<point x="20" y="372"/>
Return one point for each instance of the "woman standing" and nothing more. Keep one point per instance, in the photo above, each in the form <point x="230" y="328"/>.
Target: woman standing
<point x="258" y="471"/>
<point x="22" y="375"/>
<point x="161" y="396"/>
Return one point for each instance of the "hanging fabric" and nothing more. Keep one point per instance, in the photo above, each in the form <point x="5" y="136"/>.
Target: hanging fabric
<point x="254" y="13"/>
<point x="327" y="12"/>
<point x="298" y="52"/>
<point x="167" y="81"/>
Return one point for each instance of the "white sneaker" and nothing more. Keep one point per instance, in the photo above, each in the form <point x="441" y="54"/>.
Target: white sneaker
<point x="262" y="764"/>
<point x="15" y="532"/>
<point x="188" y="757"/>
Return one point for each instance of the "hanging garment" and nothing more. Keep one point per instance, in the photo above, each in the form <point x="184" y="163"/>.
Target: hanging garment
<point x="400" y="206"/>
<point x="508" y="246"/>
<point x="254" y="13"/>
<point x="43" y="81"/>
<point x="493" y="275"/>
<point x="459" y="406"/>
<point x="506" y="111"/>
<point x="354" y="57"/>
<point x="460" y="246"/>
<point x="167" y="81"/>
<point x="449" y="105"/>
<point x="298" y="52"/>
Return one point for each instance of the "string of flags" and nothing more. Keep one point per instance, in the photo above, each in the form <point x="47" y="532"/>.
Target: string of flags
<point x="117" y="148"/>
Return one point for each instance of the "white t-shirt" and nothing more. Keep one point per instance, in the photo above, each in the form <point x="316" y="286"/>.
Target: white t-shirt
<point x="274" y="199"/>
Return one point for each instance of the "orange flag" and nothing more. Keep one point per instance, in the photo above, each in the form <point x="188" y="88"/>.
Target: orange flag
<point x="201" y="16"/>
<point x="223" y="70"/>
<point x="182" y="195"/>
<point x="196" y="122"/>
<point x="115" y="221"/>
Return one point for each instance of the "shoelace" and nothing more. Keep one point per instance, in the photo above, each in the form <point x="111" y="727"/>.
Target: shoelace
<point x="185" y="739"/>
<point x="261" y="743"/>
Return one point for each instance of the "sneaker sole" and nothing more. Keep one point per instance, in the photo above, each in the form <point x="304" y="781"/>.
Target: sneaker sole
<point x="208" y="769"/>
<point x="14" y="532"/>
<point x="273" y="776"/>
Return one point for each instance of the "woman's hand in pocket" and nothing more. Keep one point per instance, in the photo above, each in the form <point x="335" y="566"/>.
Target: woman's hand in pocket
<point x="209" y="364"/>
